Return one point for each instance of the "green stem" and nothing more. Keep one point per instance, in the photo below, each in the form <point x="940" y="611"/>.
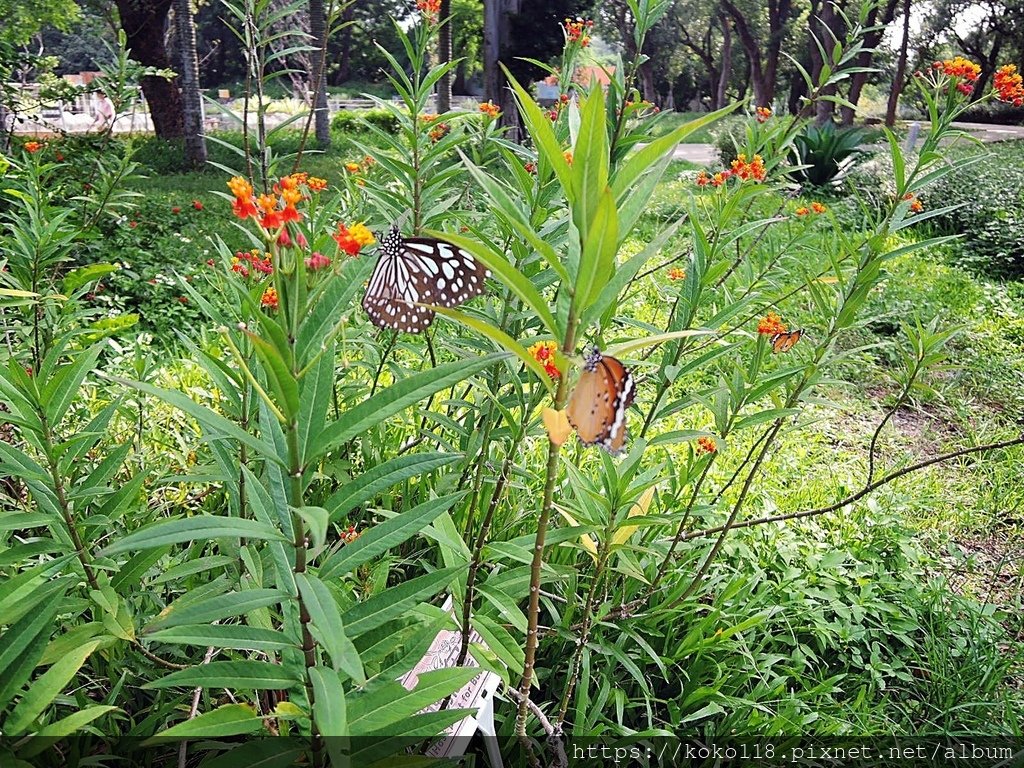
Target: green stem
<point x="547" y="505"/>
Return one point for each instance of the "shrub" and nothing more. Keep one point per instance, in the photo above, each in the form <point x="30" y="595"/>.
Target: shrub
<point x="990" y="213"/>
<point x="358" y="120"/>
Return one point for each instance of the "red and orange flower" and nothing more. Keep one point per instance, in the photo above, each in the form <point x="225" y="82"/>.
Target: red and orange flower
<point x="490" y="109"/>
<point x="353" y="239"/>
<point x="706" y="445"/>
<point x="771" y="324"/>
<point x="544" y="353"/>
<point x="1009" y="85"/>
<point x="676" y="273"/>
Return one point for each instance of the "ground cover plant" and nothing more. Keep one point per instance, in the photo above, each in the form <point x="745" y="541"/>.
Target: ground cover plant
<point x="245" y="519"/>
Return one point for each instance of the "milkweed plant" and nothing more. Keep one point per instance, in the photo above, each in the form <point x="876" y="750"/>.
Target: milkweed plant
<point x="339" y="482"/>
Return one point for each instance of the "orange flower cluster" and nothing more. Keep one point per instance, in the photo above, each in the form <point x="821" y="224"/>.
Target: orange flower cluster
<point x="771" y="324"/>
<point x="272" y="211"/>
<point x="916" y="206"/>
<point x="439" y="131"/>
<point x="568" y="156"/>
<point x="316" y="184"/>
<point x="676" y="273"/>
<point x="544" y="353"/>
<point x="269" y="298"/>
<point x="816" y="207"/>
<point x="429" y="8"/>
<point x="706" y="445"/>
<point x="251" y="262"/>
<point x="490" y="109"/>
<point x="578" y="31"/>
<point x="959" y="68"/>
<point x="1009" y="86"/>
<point x="349" y="535"/>
<point x="753" y="170"/>
<point x="352" y="239"/>
<point x="762" y="114"/>
<point x="32" y="146"/>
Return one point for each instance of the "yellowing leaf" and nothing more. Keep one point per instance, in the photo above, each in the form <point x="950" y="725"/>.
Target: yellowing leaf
<point x="557" y="425"/>
<point x="585" y="539"/>
<point x="639" y="509"/>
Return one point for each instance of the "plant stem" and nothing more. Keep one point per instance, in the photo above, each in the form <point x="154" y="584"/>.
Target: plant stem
<point x="561" y="395"/>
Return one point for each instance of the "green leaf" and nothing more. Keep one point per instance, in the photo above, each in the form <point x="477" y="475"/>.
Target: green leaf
<point x="64" y="386"/>
<point x="373" y="711"/>
<point x="46" y="688"/>
<point x="643" y="159"/>
<point x="368" y="484"/>
<point x="228" y="720"/>
<point x="280" y="379"/>
<point x="394" y="601"/>
<point x="317" y="518"/>
<point x="512" y="278"/>
<point x="63" y="727"/>
<point x="386" y="535"/>
<point x="399" y="396"/>
<point x="543" y="134"/>
<point x="22" y="645"/>
<point x="76" y="278"/>
<point x="217" y="607"/>
<point x="238" y="636"/>
<point x="277" y="752"/>
<point x="328" y="703"/>
<point x="220" y="426"/>
<point x="590" y="169"/>
<point x="234" y="675"/>
<point x="328" y="628"/>
<point x="648" y="341"/>
<point x="597" y="262"/>
<point x="198" y="528"/>
<point x="501" y="338"/>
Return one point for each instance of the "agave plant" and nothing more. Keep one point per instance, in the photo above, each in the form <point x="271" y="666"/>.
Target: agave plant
<point x="824" y="153"/>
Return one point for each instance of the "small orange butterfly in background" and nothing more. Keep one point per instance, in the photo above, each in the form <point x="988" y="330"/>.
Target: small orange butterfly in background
<point x="597" y="406"/>
<point x="783" y="342"/>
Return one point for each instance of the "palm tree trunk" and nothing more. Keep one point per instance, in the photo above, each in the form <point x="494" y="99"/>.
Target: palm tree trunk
<point x="191" y="96"/>
<point x="318" y="31"/>
<point x="444" y="55"/>
<point x="144" y="23"/>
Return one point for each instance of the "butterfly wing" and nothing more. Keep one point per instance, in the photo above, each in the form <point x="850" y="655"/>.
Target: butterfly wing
<point x="419" y="270"/>
<point x="599" y="401"/>
<point x="783" y="342"/>
<point x="625" y="388"/>
<point x="392" y="295"/>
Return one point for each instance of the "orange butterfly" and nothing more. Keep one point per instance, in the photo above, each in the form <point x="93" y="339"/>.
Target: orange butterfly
<point x="783" y="342"/>
<point x="597" y="406"/>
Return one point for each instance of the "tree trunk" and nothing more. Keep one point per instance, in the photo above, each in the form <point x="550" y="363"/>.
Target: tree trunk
<point x="496" y="42"/>
<point x="191" y="96"/>
<point x="144" y="23"/>
<point x="444" y="55"/>
<point x="828" y="26"/>
<point x="725" y="67"/>
<point x="901" y="68"/>
<point x="864" y="58"/>
<point x="764" y="90"/>
<point x="321" y="114"/>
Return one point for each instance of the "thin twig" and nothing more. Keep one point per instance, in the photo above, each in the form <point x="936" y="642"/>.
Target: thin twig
<point x="196" y="694"/>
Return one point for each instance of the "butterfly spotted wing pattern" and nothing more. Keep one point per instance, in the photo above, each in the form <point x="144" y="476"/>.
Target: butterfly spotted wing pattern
<point x="597" y="406"/>
<point x="783" y="342"/>
<point x="412" y="271"/>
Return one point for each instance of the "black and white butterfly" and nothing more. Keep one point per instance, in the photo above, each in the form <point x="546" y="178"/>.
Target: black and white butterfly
<point x="412" y="271"/>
